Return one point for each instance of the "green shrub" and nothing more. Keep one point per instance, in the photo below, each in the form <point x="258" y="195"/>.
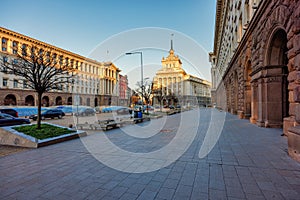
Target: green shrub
<point x="46" y="131"/>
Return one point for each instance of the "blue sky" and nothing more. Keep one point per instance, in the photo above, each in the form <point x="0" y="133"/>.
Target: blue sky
<point x="80" y="26"/>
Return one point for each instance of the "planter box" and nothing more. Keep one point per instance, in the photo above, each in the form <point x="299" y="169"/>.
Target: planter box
<point x="11" y="137"/>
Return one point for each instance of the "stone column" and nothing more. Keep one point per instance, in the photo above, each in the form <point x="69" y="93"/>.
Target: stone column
<point x="254" y="102"/>
<point x="273" y="102"/>
<point x="260" y="102"/>
<point x="247" y="99"/>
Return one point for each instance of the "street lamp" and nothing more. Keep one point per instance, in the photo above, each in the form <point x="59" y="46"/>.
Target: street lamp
<point x="142" y="76"/>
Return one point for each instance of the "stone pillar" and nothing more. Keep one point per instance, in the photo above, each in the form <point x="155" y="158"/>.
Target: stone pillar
<point x="247" y="99"/>
<point x="294" y="142"/>
<point x="294" y="99"/>
<point x="273" y="103"/>
<point x="254" y="102"/>
<point x="262" y="93"/>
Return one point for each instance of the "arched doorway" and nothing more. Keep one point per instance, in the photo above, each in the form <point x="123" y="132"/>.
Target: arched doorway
<point x="29" y="100"/>
<point x="80" y="100"/>
<point x="45" y="101"/>
<point x="58" y="100"/>
<point x="276" y="86"/>
<point x="96" y="102"/>
<point x="88" y="101"/>
<point x="70" y="101"/>
<point x="10" y="100"/>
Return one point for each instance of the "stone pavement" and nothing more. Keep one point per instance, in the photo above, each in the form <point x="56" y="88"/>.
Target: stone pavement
<point x="247" y="162"/>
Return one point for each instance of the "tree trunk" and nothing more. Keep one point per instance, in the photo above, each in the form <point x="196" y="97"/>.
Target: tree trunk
<point x="39" y="110"/>
<point x="160" y="106"/>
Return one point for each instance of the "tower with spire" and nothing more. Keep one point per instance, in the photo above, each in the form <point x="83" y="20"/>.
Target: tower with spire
<point x="172" y="85"/>
<point x="171" y="61"/>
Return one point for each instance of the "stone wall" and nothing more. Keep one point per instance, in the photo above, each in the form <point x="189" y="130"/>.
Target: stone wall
<point x="262" y="96"/>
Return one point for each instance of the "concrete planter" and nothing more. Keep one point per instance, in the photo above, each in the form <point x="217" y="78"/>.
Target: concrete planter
<point x="11" y="137"/>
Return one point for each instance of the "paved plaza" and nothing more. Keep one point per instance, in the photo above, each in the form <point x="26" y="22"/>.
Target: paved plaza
<point x="247" y="162"/>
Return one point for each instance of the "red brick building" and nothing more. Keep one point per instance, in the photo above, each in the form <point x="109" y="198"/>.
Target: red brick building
<point x="124" y="98"/>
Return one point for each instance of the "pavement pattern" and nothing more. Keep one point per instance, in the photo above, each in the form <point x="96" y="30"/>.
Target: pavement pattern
<point x="247" y="162"/>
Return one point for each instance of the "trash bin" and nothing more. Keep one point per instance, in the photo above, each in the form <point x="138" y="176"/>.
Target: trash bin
<point x="140" y="114"/>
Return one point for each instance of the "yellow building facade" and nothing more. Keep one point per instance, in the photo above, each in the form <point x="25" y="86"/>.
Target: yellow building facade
<point x="96" y="82"/>
<point x="174" y="86"/>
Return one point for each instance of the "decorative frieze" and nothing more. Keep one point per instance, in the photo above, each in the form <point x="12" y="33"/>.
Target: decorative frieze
<point x="273" y="79"/>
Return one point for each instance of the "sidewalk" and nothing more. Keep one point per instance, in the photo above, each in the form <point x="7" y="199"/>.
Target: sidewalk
<point x="248" y="162"/>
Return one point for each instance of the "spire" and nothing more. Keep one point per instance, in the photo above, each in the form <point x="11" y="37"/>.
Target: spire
<point x="172" y="41"/>
<point x="171" y="50"/>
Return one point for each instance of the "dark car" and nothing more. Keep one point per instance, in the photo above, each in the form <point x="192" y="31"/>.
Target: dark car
<point x="124" y="111"/>
<point x="85" y="112"/>
<point x="8" y="120"/>
<point x="9" y="111"/>
<point x="171" y="107"/>
<point x="50" y="113"/>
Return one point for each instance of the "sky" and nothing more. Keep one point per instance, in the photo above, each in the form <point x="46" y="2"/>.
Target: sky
<point x="106" y="29"/>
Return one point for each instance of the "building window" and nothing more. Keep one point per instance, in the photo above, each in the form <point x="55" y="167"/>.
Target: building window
<point x="25" y="84"/>
<point x="4" y="44"/>
<point x="54" y="56"/>
<point x="5" y="82"/>
<point x="5" y="59"/>
<point x="15" y="83"/>
<point x="61" y="58"/>
<point x="24" y="49"/>
<point x="15" y="47"/>
<point x="48" y="56"/>
<point x="32" y="50"/>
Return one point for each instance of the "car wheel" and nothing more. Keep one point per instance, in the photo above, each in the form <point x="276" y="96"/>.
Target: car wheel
<point x="43" y="118"/>
<point x="59" y="116"/>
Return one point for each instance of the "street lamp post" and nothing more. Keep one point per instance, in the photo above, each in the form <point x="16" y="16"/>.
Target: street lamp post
<point x="142" y="75"/>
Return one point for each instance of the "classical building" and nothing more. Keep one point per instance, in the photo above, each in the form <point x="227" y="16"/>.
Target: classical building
<point x="172" y="85"/>
<point x="256" y="62"/>
<point x="95" y="82"/>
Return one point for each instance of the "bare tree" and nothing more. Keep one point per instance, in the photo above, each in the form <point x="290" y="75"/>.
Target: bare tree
<point x="41" y="68"/>
<point x="159" y="95"/>
<point x="145" y="90"/>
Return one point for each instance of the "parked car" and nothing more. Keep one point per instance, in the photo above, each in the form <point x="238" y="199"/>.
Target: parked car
<point x="147" y="107"/>
<point x="9" y="111"/>
<point x="111" y="109"/>
<point x="178" y="106"/>
<point x="85" y="112"/>
<point x="124" y="111"/>
<point x="8" y="120"/>
<point x="50" y="113"/>
<point x="171" y="107"/>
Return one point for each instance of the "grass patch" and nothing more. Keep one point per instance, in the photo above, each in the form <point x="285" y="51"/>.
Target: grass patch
<point x="46" y="131"/>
